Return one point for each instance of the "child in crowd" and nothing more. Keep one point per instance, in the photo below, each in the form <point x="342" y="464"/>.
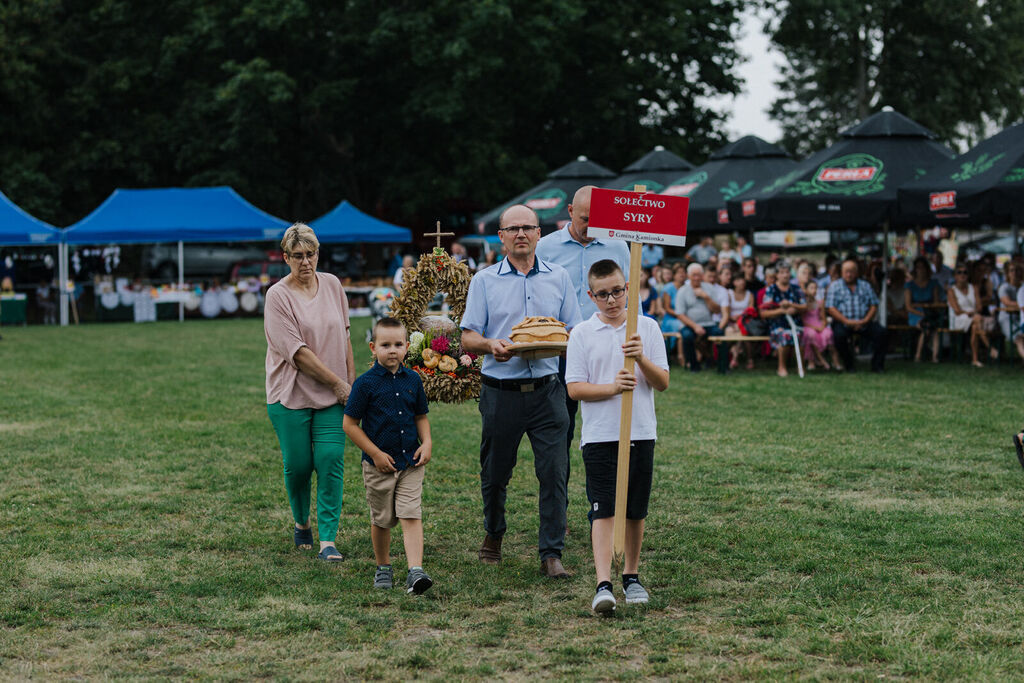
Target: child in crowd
<point x="386" y="416"/>
<point x="595" y="376"/>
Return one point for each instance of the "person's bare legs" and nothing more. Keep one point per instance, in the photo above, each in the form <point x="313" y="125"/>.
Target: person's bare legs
<point x="749" y="348"/>
<point x="1018" y="341"/>
<point x="783" y="353"/>
<point x="381" y="538"/>
<point x="412" y="539"/>
<point x="935" y="346"/>
<point x="920" y="346"/>
<point x="634" y="540"/>
<point x="601" y="541"/>
<point x="975" y="343"/>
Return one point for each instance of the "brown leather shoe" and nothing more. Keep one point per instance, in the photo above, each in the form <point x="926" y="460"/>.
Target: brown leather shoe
<point x="490" y="551"/>
<point x="553" y="569"/>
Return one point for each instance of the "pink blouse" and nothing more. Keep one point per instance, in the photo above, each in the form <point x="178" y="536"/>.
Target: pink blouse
<point x="291" y="321"/>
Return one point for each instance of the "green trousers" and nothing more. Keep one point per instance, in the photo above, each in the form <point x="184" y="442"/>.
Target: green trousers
<point x="312" y="440"/>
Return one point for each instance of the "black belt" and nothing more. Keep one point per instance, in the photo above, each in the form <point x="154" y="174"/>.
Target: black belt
<point x="522" y="385"/>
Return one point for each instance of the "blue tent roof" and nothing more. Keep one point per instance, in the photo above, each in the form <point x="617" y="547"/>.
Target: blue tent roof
<point x="346" y="223"/>
<point x="18" y="228"/>
<point x="198" y="214"/>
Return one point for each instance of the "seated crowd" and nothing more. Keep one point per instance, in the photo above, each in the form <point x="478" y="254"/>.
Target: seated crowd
<point x="831" y="313"/>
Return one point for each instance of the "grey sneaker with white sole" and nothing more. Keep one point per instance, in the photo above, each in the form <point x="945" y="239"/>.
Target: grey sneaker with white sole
<point x="418" y="582"/>
<point x="384" y="577"/>
<point x="636" y="594"/>
<point x="604" y="602"/>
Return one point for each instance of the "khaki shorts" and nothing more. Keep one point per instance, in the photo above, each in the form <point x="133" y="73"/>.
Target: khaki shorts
<point x="393" y="495"/>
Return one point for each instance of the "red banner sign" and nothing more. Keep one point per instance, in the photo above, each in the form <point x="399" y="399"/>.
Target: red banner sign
<point x="638" y="217"/>
<point x="842" y="175"/>
<point x="723" y="216"/>
<point x="749" y="207"/>
<point x="942" y="200"/>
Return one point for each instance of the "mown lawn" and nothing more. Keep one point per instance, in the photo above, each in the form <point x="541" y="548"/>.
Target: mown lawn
<point x="853" y="526"/>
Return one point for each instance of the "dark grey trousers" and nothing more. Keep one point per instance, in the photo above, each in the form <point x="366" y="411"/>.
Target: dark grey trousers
<point x="541" y="416"/>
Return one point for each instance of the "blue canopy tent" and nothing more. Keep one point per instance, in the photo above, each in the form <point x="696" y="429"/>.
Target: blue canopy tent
<point x="345" y="223"/>
<point x="19" y="229"/>
<point x="198" y="214"/>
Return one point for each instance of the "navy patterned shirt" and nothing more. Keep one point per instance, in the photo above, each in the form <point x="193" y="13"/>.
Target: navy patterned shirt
<point x="387" y="405"/>
<point x="854" y="305"/>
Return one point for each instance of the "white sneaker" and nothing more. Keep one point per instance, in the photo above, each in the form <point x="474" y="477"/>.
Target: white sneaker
<point x="636" y="594"/>
<point x="604" y="602"/>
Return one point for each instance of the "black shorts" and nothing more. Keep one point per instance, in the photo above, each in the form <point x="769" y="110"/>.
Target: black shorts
<point x="601" y="462"/>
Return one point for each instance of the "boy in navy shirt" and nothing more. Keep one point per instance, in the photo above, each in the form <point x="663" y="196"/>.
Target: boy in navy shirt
<point x="389" y="401"/>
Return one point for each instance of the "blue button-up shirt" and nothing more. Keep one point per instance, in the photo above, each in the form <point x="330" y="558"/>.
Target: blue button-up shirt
<point x="854" y="305"/>
<point x="500" y="297"/>
<point x="559" y="247"/>
<point x="387" y="405"/>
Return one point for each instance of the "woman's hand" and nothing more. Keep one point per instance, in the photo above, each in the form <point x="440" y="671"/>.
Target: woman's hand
<point x="341" y="391"/>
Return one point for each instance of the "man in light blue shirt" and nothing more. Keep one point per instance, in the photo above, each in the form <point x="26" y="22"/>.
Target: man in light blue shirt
<point x="519" y="396"/>
<point x="573" y="250"/>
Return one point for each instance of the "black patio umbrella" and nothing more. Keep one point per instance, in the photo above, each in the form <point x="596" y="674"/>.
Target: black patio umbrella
<point x="983" y="185"/>
<point x="732" y="172"/>
<point x="659" y="169"/>
<point x="550" y="198"/>
<point x="852" y="184"/>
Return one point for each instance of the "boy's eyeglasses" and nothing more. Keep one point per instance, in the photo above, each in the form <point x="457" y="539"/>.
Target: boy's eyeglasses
<point x="612" y="295"/>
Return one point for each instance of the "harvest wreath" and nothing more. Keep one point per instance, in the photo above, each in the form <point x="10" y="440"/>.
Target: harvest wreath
<point x="449" y="373"/>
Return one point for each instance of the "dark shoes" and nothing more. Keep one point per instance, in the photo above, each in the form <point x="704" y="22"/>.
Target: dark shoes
<point x="553" y="569"/>
<point x="1019" y="445"/>
<point x="490" y="551"/>
<point x="304" y="538"/>
<point x="330" y="554"/>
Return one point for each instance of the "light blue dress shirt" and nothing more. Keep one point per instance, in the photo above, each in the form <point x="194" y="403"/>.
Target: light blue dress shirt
<point x="500" y="297"/>
<point x="559" y="247"/>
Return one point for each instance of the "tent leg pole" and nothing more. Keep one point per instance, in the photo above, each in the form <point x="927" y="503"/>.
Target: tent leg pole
<point x="181" y="279"/>
<point x="885" y="273"/>
<point x="62" y="282"/>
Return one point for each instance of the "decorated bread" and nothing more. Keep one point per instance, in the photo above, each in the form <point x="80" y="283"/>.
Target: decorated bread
<point x="539" y="328"/>
<point x="431" y="358"/>
<point x="447" y="364"/>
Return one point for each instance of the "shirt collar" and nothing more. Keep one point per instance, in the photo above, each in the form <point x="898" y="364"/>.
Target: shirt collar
<point x="602" y="324"/>
<point x="382" y="371"/>
<point x="567" y="237"/>
<point x="506" y="268"/>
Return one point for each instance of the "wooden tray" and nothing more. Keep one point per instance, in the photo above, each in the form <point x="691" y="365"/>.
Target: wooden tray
<point x="535" y="350"/>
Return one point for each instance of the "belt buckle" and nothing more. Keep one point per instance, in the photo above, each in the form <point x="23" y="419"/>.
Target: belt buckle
<point x="526" y="388"/>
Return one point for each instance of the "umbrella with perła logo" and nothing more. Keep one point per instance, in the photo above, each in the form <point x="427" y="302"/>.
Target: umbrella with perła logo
<point x="852" y="184"/>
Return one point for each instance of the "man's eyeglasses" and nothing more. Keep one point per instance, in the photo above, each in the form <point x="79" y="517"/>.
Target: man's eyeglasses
<point x="301" y="256"/>
<point x="605" y="295"/>
<point x="514" y="229"/>
<point x="960" y="272"/>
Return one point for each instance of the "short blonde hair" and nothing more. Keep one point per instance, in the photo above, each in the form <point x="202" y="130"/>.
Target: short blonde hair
<point x="299" y="235"/>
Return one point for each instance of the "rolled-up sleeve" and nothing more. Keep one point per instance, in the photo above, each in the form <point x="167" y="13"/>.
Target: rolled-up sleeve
<point x="282" y="329"/>
<point x="475" y="317"/>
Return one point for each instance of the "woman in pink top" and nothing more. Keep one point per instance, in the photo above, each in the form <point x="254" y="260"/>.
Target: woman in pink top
<point x="310" y="370"/>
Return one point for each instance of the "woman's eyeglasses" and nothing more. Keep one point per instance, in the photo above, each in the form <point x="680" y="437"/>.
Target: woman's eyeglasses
<point x="301" y="256"/>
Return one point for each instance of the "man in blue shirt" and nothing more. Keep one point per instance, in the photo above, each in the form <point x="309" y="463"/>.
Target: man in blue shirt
<point x="852" y="304"/>
<point x="520" y="396"/>
<point x="573" y="250"/>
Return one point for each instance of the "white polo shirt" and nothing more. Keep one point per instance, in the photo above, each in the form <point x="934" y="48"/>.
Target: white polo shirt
<point x="595" y="356"/>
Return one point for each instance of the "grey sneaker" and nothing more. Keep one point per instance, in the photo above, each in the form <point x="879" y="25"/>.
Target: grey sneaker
<point x="418" y="582"/>
<point x="636" y="594"/>
<point x="384" y="578"/>
<point x="604" y="602"/>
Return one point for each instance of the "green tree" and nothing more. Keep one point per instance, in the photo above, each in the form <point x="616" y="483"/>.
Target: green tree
<point x="952" y="66"/>
<point x="406" y="109"/>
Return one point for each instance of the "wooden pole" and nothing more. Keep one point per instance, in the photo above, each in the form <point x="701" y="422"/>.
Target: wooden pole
<point x="626" y="416"/>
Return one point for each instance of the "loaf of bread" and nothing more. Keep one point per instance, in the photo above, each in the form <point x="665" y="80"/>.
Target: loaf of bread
<point x="539" y="328"/>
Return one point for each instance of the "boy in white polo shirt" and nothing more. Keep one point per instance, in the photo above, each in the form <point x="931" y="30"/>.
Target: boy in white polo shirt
<point x="594" y="375"/>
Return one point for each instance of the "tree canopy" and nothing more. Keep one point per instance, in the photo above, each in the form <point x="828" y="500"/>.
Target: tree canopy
<point x="953" y="66"/>
<point x="406" y="109"/>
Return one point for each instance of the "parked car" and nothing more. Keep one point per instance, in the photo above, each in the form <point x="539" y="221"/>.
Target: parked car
<point x="994" y="243"/>
<point x="201" y="260"/>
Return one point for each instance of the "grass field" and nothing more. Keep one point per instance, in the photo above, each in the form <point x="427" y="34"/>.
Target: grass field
<point x="853" y="526"/>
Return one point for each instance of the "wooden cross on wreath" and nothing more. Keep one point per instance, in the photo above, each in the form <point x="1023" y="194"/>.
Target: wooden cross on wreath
<point x="438" y="235"/>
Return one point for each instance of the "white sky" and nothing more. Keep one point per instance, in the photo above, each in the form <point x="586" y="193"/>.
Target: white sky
<point x="748" y="110"/>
